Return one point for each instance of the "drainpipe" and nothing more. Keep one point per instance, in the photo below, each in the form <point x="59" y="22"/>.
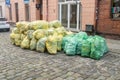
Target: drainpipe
<point x="97" y="14"/>
<point x="47" y="9"/>
<point x="41" y="10"/>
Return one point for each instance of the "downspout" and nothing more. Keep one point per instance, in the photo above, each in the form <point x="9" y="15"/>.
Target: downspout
<point x="97" y="14"/>
<point x="47" y="9"/>
<point x="41" y="10"/>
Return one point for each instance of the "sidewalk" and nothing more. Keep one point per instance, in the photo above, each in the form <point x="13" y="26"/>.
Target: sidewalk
<point x="114" y="45"/>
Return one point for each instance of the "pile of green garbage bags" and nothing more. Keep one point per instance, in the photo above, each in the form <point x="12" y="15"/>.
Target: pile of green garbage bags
<point x="39" y="35"/>
<point x="86" y="46"/>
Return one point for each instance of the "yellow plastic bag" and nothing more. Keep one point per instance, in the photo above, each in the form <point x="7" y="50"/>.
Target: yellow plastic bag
<point x="15" y="30"/>
<point x="50" y="31"/>
<point x="61" y="31"/>
<point x="59" y="42"/>
<point x="55" y="24"/>
<point x="29" y="34"/>
<point x="12" y="41"/>
<point x="69" y="32"/>
<point x="22" y="36"/>
<point x="33" y="44"/>
<point x="22" y="26"/>
<point x="12" y="35"/>
<point x="40" y="33"/>
<point x="44" y="25"/>
<point x="25" y="33"/>
<point x="17" y="42"/>
<point x="25" y="43"/>
<point x="40" y="24"/>
<point x="41" y="45"/>
<point x="15" y="36"/>
<point x="51" y="44"/>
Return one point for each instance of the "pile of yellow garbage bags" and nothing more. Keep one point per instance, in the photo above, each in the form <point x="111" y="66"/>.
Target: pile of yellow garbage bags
<point x="39" y="35"/>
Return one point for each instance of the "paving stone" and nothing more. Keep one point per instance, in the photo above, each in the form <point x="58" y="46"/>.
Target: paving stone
<point x="70" y="78"/>
<point x="117" y="77"/>
<point x="70" y="73"/>
<point x="29" y="79"/>
<point x="111" y="78"/>
<point x="2" y="76"/>
<point x="76" y="75"/>
<point x="89" y="79"/>
<point x="10" y="77"/>
<point x="101" y="78"/>
<point x="58" y="78"/>
<point x="95" y="75"/>
<point x="3" y="79"/>
<point x="80" y="78"/>
<point x="22" y="64"/>
<point x="40" y="78"/>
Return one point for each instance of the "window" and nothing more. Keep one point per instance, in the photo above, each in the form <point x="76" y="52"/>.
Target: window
<point x="69" y="14"/>
<point x="115" y="9"/>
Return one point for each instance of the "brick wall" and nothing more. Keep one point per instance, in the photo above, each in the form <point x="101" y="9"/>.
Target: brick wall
<point x="105" y="23"/>
<point x="88" y="12"/>
<point x="21" y="6"/>
<point x="50" y="10"/>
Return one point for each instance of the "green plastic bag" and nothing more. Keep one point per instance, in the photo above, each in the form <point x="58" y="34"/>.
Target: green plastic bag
<point x="70" y="47"/>
<point x="80" y="37"/>
<point x="66" y="39"/>
<point x="86" y="48"/>
<point x="98" y="47"/>
<point x="79" y="47"/>
<point x="41" y="44"/>
<point x="33" y="44"/>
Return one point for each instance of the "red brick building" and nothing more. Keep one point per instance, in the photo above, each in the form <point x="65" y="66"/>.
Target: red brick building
<point x="74" y="14"/>
<point x="109" y="17"/>
<point x="19" y="11"/>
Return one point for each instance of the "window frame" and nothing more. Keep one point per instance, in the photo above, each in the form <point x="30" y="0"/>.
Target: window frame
<point x="111" y="13"/>
<point x="79" y="13"/>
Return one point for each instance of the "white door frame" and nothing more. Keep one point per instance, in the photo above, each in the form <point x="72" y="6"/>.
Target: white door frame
<point x="78" y="27"/>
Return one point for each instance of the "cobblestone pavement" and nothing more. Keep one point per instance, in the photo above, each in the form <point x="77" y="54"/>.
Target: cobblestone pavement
<point x="20" y="64"/>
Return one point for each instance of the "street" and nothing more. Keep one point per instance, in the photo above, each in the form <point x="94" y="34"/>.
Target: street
<point x="21" y="64"/>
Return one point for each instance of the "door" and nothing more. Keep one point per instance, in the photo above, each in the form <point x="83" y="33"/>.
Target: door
<point x="10" y="12"/>
<point x="0" y="11"/>
<point x="69" y="14"/>
<point x="16" y="12"/>
<point x="27" y="12"/>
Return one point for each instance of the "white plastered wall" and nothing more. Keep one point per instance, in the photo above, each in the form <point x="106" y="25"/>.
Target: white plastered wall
<point x="2" y="3"/>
